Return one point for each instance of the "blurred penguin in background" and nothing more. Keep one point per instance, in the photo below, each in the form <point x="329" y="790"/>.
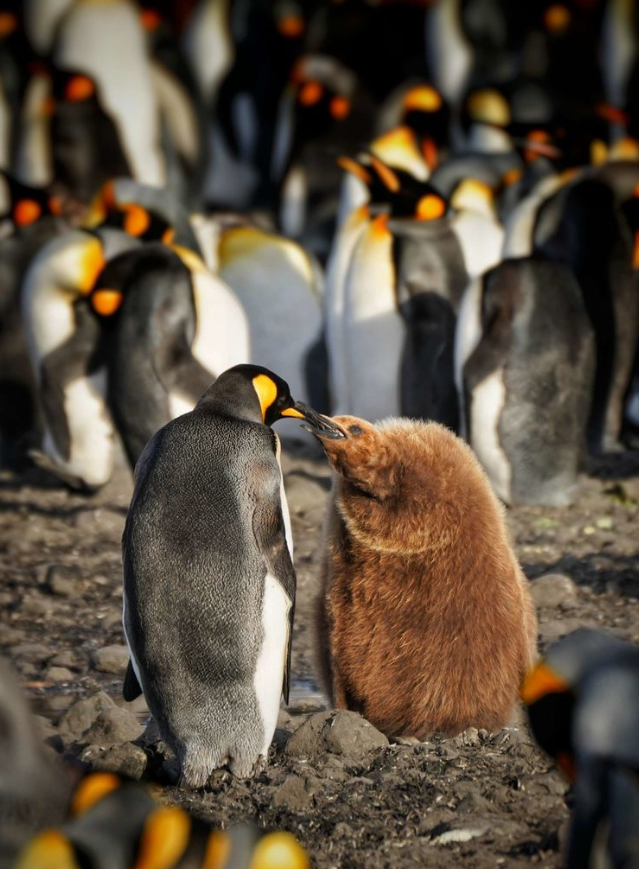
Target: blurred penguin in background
<point x="583" y="706"/>
<point x="525" y="365"/>
<point x="33" y="792"/>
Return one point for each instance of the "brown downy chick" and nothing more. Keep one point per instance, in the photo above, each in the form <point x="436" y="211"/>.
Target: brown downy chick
<point x="425" y="622"/>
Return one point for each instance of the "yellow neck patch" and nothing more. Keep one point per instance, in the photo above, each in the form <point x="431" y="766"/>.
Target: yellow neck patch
<point x="164" y="840"/>
<point x="49" y="850"/>
<point x="218" y="850"/>
<point x="266" y="392"/>
<point x="92" y="789"/>
<point x="279" y="850"/>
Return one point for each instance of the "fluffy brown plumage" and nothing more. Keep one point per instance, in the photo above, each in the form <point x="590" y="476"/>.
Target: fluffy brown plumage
<point x="425" y="622"/>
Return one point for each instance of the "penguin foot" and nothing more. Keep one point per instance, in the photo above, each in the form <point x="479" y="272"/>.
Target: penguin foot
<point x="76" y="484"/>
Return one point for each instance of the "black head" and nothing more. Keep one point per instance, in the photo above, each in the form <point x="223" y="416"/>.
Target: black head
<point x="550" y="704"/>
<point x="29" y="204"/>
<point x="255" y="393"/>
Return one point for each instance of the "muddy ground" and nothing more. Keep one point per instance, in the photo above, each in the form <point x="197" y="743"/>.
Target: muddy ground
<point x="479" y="800"/>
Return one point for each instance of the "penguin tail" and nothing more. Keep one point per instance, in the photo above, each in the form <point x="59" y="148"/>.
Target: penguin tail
<point x="131" y="687"/>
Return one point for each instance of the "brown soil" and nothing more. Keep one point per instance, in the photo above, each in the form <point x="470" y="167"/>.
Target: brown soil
<point x="493" y="799"/>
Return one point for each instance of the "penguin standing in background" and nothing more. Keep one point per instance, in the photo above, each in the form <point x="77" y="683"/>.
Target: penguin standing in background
<point x="583" y="707"/>
<point x="279" y="285"/>
<point x="34" y="214"/>
<point x="86" y="148"/>
<point x="212" y="652"/>
<point x="161" y="351"/>
<point x="400" y="294"/>
<point x="583" y="227"/>
<point x="524" y="369"/>
<point x="107" y="42"/>
<point x="62" y="338"/>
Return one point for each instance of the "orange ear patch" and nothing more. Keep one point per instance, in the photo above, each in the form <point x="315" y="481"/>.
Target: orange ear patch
<point x="8" y="23"/>
<point x="354" y="168"/>
<point x="430" y="207"/>
<point x="291" y="26"/>
<point x="79" y="88"/>
<point x="557" y="18"/>
<point x="106" y="302"/>
<point x="422" y="99"/>
<point x="388" y="178"/>
<point x="310" y="93"/>
<point x="26" y="211"/>
<point x="218" y="850"/>
<point x="150" y="19"/>
<point x="136" y="221"/>
<point x="340" y="108"/>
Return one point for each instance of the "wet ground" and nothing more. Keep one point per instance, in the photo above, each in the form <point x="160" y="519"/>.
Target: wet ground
<point x="478" y="800"/>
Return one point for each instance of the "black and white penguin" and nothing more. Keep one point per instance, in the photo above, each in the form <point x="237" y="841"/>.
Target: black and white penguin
<point x="34" y="215"/>
<point x="210" y="482"/>
<point x="62" y="338"/>
<point x="395" y="286"/>
<point x="582" y="700"/>
<point x="162" y="347"/>
<point x="107" y="42"/>
<point x="524" y="361"/>
<point x="279" y="285"/>
<point x="86" y="145"/>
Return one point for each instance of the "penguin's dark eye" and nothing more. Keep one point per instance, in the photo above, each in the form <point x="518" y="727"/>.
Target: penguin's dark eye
<point x="355" y="429"/>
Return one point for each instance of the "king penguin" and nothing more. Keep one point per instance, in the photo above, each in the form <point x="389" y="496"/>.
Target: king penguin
<point x="212" y="652"/>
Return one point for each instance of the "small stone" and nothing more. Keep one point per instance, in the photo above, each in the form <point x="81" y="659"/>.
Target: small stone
<point x="111" y="659"/>
<point x="113" y="726"/>
<point x="10" y="636"/>
<point x="67" y="658"/>
<point x="292" y="795"/>
<point x="63" y="581"/>
<point x="36" y="605"/>
<point x="589" y="530"/>
<point x="557" y="628"/>
<point x="46" y="731"/>
<point x="59" y="674"/>
<point x="342" y="830"/>
<point x="32" y="651"/>
<point x="605" y="523"/>
<point x="553" y="590"/>
<point x="306" y="740"/>
<point x="128" y="760"/>
<point x="82" y="714"/>
<point x="350" y="734"/>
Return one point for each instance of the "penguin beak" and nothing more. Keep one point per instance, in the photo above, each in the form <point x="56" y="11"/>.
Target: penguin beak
<point x="320" y="426"/>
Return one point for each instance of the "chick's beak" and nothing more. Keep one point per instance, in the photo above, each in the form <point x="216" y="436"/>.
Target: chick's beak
<point x="320" y="426"/>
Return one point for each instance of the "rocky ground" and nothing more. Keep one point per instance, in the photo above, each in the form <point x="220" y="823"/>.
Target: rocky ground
<point x="353" y="798"/>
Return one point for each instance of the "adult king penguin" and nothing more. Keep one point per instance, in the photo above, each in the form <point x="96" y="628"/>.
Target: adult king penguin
<point x="211" y="651"/>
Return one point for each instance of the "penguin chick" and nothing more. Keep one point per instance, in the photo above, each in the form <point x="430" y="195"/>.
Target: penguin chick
<point x="425" y="620"/>
<point x="583" y="706"/>
<point x="209" y="584"/>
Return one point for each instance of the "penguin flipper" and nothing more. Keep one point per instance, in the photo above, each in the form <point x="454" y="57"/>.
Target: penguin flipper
<point x="62" y="366"/>
<point x="131" y="687"/>
<point x="270" y="536"/>
<point x="190" y="377"/>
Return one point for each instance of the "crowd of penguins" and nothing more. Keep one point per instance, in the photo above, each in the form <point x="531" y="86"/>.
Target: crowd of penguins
<point x="428" y="210"/>
<point x="405" y="209"/>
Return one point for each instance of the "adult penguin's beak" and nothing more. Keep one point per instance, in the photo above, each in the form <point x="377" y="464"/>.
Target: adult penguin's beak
<point x="317" y="424"/>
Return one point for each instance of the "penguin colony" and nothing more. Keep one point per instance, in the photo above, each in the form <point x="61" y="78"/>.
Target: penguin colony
<point x="425" y="210"/>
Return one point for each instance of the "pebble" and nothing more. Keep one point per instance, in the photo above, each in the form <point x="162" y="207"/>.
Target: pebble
<point x="464" y="834"/>
<point x="553" y="590"/>
<point x="67" y="658"/>
<point x="113" y="726"/>
<point x="111" y="659"/>
<point x="33" y="651"/>
<point x="557" y="628"/>
<point x="341" y="733"/>
<point x="81" y="715"/>
<point x="10" y="636"/>
<point x="292" y="795"/>
<point x="59" y="674"/>
<point x="63" y="581"/>
<point x="127" y="759"/>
